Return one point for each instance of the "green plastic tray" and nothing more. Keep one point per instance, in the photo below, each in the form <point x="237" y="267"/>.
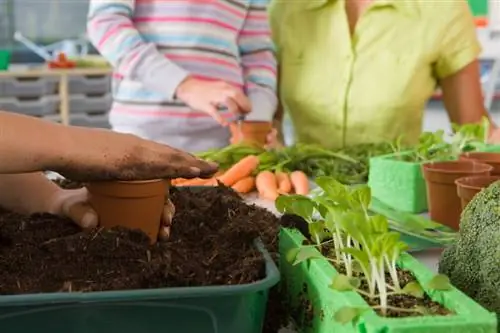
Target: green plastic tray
<point x="5" y="56"/>
<point x="398" y="184"/>
<point x="218" y="309"/>
<point x="311" y="299"/>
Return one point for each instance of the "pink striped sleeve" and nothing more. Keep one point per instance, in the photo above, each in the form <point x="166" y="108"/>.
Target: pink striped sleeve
<point x="259" y="61"/>
<point x="112" y="32"/>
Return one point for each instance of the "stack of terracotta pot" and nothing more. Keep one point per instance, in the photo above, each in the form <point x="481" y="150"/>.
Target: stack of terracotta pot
<point x="452" y="184"/>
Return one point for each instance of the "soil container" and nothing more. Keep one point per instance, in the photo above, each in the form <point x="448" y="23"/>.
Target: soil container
<point x="310" y="298"/>
<point x="444" y="203"/>
<point x="133" y="205"/>
<point x="397" y="183"/>
<point x="213" y="309"/>
<point x="490" y="158"/>
<point x="468" y="187"/>
<point x="251" y="132"/>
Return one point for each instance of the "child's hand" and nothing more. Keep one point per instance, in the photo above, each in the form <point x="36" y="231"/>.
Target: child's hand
<point x="207" y="96"/>
<point x="273" y="140"/>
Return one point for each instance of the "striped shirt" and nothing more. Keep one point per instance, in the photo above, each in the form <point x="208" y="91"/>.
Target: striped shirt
<point x="154" y="45"/>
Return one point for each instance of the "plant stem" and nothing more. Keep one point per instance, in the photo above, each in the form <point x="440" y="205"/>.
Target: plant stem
<point x="397" y="309"/>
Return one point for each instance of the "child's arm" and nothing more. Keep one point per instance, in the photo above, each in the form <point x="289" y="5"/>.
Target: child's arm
<point x="259" y="62"/>
<point x="111" y="30"/>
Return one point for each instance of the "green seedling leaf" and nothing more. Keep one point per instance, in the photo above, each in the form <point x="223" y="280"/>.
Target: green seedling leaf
<point x="348" y="314"/>
<point x="342" y="282"/>
<point x="297" y="205"/>
<point x="414" y="289"/>
<point x="440" y="282"/>
<point x="305" y="254"/>
<point x="360" y="197"/>
<point x="291" y="255"/>
<point x="335" y="190"/>
<point x="317" y="231"/>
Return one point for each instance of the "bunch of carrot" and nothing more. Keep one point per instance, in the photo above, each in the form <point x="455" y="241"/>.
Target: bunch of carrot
<point x="245" y="177"/>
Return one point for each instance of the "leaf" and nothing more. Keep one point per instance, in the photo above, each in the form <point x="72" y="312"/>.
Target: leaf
<point x="317" y="231"/>
<point x="342" y="282"/>
<point x="297" y="205"/>
<point x="335" y="190"/>
<point x="414" y="289"/>
<point x="361" y="197"/>
<point x="306" y="253"/>
<point x="291" y="255"/>
<point x="348" y="314"/>
<point x="440" y="282"/>
<point x="360" y="255"/>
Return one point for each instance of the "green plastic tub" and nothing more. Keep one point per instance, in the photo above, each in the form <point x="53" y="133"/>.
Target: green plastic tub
<point x="313" y="303"/>
<point x="218" y="309"/>
<point x="398" y="184"/>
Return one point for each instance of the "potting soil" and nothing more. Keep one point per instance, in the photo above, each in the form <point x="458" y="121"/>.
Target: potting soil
<point x="211" y="243"/>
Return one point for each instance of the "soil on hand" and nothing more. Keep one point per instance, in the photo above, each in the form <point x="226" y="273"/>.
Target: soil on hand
<point x="397" y="301"/>
<point x="211" y="244"/>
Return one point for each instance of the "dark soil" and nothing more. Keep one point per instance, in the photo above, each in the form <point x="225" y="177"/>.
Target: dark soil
<point x="211" y="244"/>
<point x="398" y="301"/>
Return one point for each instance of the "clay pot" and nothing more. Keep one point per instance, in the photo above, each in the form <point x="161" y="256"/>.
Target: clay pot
<point x="444" y="204"/>
<point x="134" y="205"/>
<point x="252" y="132"/>
<point x="492" y="159"/>
<point x="468" y="187"/>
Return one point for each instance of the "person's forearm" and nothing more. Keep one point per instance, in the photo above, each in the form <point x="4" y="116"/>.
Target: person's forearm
<point x="27" y="193"/>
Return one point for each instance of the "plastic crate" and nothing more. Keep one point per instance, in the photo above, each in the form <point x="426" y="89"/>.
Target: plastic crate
<point x="41" y="106"/>
<point x="98" y="121"/>
<point x="214" y="309"/>
<point x="90" y="104"/>
<point x="98" y="84"/>
<point x="28" y="87"/>
<point x="314" y="303"/>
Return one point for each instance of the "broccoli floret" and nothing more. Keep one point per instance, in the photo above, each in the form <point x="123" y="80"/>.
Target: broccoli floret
<point x="473" y="262"/>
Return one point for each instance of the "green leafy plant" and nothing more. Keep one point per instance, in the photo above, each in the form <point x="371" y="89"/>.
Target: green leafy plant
<point x="360" y="242"/>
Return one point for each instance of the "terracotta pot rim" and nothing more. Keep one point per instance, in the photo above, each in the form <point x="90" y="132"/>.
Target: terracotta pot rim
<point x="462" y="182"/>
<point x="482" y="156"/>
<point x="477" y="167"/>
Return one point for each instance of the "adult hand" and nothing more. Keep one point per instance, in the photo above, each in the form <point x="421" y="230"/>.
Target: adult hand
<point x="74" y="204"/>
<point x="107" y="155"/>
<point x="208" y="96"/>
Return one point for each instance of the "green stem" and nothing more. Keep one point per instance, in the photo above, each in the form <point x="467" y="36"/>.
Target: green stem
<point x="397" y="309"/>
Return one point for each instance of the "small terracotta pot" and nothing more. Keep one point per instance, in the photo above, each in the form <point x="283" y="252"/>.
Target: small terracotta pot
<point x="468" y="187"/>
<point x="444" y="204"/>
<point x="253" y="132"/>
<point x="134" y="205"/>
<point x="492" y="159"/>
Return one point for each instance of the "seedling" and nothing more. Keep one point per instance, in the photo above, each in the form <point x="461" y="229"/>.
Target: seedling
<point x="362" y="244"/>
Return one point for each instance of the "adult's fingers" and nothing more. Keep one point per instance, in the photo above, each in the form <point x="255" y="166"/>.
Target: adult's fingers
<point x="242" y="101"/>
<point x="167" y="217"/>
<point x="181" y="164"/>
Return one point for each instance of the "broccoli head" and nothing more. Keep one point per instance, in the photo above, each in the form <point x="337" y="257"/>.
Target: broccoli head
<point x="473" y="262"/>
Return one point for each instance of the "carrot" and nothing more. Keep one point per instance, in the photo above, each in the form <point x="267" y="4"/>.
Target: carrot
<point x="267" y="185"/>
<point x="245" y="185"/>
<point x="240" y="170"/>
<point x="284" y="184"/>
<point x="198" y="182"/>
<point x="178" y="181"/>
<point x="300" y="182"/>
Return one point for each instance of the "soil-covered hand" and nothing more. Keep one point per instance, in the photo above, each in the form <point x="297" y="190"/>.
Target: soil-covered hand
<point x="74" y="204"/>
<point x="208" y="96"/>
<point x="107" y="155"/>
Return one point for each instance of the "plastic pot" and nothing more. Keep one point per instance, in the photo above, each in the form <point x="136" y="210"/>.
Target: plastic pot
<point x="314" y="304"/>
<point x="490" y="158"/>
<point x="468" y="187"/>
<point x="135" y="205"/>
<point x="252" y="132"/>
<point x="443" y="201"/>
<point x="398" y="183"/>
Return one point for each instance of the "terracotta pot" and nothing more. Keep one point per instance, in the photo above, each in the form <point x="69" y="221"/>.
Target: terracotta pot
<point x="444" y="204"/>
<point x="468" y="187"/>
<point x="253" y="132"/>
<point x="492" y="159"/>
<point x="133" y="205"/>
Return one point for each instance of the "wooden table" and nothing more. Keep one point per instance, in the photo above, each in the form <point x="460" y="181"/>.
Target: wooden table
<point x="63" y="75"/>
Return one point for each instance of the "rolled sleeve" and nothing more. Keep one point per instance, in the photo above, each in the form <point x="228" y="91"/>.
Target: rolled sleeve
<point x="460" y="45"/>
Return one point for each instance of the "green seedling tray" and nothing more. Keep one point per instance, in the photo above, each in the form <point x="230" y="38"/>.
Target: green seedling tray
<point x="314" y="304"/>
<point x="217" y="309"/>
<point x="397" y="183"/>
